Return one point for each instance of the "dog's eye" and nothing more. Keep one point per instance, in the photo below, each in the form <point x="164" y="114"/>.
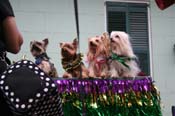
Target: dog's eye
<point x="69" y="46"/>
<point x="39" y="43"/>
<point x="117" y="36"/>
<point x="97" y="40"/>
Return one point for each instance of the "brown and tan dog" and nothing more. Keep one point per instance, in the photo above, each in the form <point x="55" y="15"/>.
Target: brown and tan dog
<point x="97" y="56"/>
<point x="71" y="61"/>
<point x="38" y="50"/>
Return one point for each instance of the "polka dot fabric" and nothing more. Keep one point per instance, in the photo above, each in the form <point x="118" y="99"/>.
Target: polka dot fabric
<point x="29" y="91"/>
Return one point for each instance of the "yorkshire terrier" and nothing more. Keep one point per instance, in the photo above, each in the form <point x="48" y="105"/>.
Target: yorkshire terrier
<point x="38" y="50"/>
<point x="71" y="61"/>
<point x="122" y="60"/>
<point x="97" y="56"/>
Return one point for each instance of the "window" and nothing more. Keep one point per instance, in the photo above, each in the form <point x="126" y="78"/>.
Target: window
<point x="133" y="19"/>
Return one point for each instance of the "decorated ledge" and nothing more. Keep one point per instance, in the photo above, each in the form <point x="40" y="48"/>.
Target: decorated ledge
<point x="109" y="97"/>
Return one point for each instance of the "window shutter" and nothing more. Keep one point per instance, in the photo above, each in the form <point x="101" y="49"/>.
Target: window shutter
<point x="116" y="16"/>
<point x="117" y="21"/>
<point x="138" y="29"/>
<point x="131" y="18"/>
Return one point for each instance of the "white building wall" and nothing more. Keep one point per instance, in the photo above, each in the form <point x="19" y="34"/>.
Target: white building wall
<point x="38" y="19"/>
<point x="163" y="40"/>
<point x="55" y="19"/>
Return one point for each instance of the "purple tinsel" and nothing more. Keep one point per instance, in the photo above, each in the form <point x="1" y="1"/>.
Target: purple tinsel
<point x="88" y="86"/>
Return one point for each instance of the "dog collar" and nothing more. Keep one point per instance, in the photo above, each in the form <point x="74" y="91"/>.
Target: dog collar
<point x="98" y="62"/>
<point x="43" y="56"/>
<point x="122" y="59"/>
<point x="74" y="64"/>
<point x="38" y="61"/>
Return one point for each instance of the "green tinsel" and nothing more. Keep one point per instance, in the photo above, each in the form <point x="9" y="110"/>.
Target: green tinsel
<point x="131" y="103"/>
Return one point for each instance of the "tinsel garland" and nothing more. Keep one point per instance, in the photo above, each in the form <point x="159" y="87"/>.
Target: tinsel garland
<point x="109" y="97"/>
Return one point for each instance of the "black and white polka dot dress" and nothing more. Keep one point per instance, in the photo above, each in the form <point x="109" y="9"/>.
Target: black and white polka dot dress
<point x="28" y="91"/>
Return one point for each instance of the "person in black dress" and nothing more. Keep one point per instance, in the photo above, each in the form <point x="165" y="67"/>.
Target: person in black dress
<point x="10" y="41"/>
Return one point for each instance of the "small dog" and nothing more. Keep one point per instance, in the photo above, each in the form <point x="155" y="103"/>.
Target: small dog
<point x="38" y="50"/>
<point x="98" y="53"/>
<point x="71" y="61"/>
<point x="122" y="60"/>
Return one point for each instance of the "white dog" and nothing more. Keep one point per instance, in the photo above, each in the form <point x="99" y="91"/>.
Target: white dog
<point x="123" y="60"/>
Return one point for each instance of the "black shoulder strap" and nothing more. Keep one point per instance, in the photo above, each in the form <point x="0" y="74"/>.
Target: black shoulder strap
<point x="2" y="45"/>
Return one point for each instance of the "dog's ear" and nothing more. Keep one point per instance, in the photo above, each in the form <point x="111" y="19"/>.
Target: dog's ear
<point x="31" y="44"/>
<point x="105" y="34"/>
<point x="75" y="42"/>
<point x="61" y="44"/>
<point x="46" y="42"/>
<point x="102" y="37"/>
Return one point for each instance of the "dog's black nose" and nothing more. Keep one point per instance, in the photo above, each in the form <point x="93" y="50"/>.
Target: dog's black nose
<point x="112" y="40"/>
<point x="63" y="50"/>
<point x="91" y="43"/>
